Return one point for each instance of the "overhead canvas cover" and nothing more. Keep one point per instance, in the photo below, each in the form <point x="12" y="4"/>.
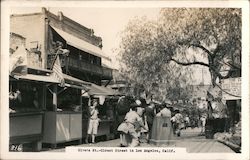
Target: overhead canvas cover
<point x="80" y="44"/>
<point x="100" y="90"/>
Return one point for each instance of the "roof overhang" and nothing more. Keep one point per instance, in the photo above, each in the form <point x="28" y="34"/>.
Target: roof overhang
<point x="80" y="44"/>
<point x="37" y="78"/>
<point x="75" y="82"/>
<point x="101" y="91"/>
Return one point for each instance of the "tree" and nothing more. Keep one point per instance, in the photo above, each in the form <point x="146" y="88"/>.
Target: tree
<point x="215" y="33"/>
<point x="145" y="66"/>
<point x="160" y="51"/>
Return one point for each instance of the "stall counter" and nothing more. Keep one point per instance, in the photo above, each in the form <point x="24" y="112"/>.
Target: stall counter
<point x="60" y="127"/>
<point x="26" y="127"/>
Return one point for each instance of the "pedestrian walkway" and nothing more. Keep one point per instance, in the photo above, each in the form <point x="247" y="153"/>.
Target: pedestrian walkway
<point x="204" y="146"/>
<point x="190" y="139"/>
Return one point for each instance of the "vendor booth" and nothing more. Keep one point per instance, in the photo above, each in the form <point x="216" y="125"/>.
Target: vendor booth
<point x="106" y="110"/>
<point x="26" y="107"/>
<point x="63" y="116"/>
<point x="224" y="116"/>
<point x="232" y="96"/>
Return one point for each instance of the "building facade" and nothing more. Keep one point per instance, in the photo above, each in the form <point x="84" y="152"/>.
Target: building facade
<point x="47" y="33"/>
<point x="45" y="49"/>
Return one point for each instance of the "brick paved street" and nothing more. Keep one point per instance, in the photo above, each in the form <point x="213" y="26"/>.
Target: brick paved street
<point x="189" y="139"/>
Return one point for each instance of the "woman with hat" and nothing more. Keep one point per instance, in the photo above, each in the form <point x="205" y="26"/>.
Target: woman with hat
<point x="128" y="135"/>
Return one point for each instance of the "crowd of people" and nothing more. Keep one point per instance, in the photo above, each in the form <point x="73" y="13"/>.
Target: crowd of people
<point x="143" y="123"/>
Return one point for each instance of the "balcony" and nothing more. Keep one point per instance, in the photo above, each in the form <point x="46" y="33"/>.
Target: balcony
<point x="82" y="66"/>
<point x="104" y="72"/>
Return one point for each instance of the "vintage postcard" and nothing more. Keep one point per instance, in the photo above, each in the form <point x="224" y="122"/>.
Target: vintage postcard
<point x="125" y="80"/>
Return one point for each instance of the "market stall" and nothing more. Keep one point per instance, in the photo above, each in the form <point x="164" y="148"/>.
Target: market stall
<point x="224" y="114"/>
<point x="106" y="109"/>
<point x="26" y="107"/>
<point x="232" y="95"/>
<point x="63" y="116"/>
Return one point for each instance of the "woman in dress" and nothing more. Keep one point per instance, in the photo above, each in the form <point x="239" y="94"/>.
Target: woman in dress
<point x="128" y="135"/>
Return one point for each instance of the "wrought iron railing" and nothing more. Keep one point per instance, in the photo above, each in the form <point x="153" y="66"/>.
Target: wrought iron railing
<point x="91" y="68"/>
<point x="81" y="65"/>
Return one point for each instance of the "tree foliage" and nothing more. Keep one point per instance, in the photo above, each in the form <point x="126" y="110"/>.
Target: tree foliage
<point x="157" y="52"/>
<point x="214" y="32"/>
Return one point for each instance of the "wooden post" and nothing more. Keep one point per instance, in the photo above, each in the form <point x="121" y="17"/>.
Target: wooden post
<point x="80" y="101"/>
<point x="44" y="95"/>
<point x="55" y="97"/>
<point x="37" y="146"/>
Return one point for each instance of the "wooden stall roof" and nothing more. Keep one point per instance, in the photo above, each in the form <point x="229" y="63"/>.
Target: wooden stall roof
<point x="100" y="90"/>
<point x="38" y="78"/>
<point x="75" y="82"/>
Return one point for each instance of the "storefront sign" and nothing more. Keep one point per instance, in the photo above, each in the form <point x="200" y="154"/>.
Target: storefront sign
<point x="231" y="88"/>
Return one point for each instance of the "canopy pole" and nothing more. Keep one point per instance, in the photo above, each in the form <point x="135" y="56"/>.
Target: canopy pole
<point x="80" y="100"/>
<point x="54" y="98"/>
<point x="44" y="99"/>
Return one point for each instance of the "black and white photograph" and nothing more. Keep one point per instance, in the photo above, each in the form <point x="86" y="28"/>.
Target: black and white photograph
<point x="147" y="80"/>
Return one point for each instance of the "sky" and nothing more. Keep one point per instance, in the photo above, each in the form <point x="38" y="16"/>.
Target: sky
<point x="108" y="23"/>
